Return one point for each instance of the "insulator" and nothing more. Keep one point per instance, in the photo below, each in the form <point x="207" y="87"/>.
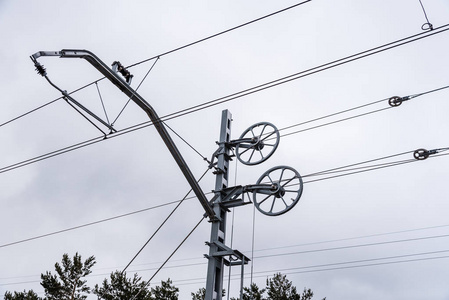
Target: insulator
<point x="40" y="69"/>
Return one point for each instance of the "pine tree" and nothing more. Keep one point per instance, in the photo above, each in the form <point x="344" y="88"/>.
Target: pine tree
<point x="30" y="295"/>
<point x="167" y="291"/>
<point x="123" y="288"/>
<point x="68" y="283"/>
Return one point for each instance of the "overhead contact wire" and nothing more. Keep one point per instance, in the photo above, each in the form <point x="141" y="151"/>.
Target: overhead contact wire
<point x="321" y="173"/>
<point x="220" y="33"/>
<point x="149" y="123"/>
<point x="166" y="53"/>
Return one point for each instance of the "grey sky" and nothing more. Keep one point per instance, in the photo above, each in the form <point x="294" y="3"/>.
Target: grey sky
<point x="135" y="171"/>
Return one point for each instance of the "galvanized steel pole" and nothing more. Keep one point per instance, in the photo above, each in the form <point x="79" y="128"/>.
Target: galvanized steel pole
<point x="214" y="284"/>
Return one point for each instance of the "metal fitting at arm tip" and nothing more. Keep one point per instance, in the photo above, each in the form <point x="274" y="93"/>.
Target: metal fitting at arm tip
<point x="45" y="53"/>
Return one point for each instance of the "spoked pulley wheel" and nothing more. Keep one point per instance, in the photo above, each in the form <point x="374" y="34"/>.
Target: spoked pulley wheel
<point x="257" y="143"/>
<point x="277" y="190"/>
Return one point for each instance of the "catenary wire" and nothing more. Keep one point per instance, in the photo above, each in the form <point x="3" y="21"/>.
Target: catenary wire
<point x="324" y="242"/>
<point x="370" y="168"/>
<point x="362" y="260"/>
<point x="221" y="100"/>
<point x="29" y="112"/>
<point x="357" y="164"/>
<point x="308" y="72"/>
<point x="289" y="78"/>
<point x="91" y="223"/>
<point x="333" y="114"/>
<point x="164" y="54"/>
<point x="355" y="246"/>
<point x="149" y="123"/>
<point x="300" y="245"/>
<point x="334" y="122"/>
<point x="234" y="95"/>
<point x="345" y="168"/>
<point x="221" y="33"/>
<point x="271" y="272"/>
<point x="169" y="203"/>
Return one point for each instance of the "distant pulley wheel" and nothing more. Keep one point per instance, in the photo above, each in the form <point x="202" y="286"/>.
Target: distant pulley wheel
<point x="257" y="143"/>
<point x="278" y="190"/>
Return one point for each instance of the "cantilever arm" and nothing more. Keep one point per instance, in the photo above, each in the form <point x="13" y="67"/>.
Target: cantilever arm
<point x="133" y="95"/>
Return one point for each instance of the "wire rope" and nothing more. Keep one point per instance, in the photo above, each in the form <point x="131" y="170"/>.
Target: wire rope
<point x="428" y="25"/>
<point x="29" y="112"/>
<point x="135" y="91"/>
<point x="102" y="103"/>
<point x="308" y="72"/>
<point x="162" y="224"/>
<point x="307" y="244"/>
<point x="289" y="78"/>
<point x="266" y="273"/>
<point x="232" y="227"/>
<point x="187" y="143"/>
<point x="89" y="224"/>
<point x="253" y="243"/>
<point x="345" y="168"/>
<point x="167" y="117"/>
<point x="221" y="33"/>
<point x="235" y="95"/>
<point x="170" y="256"/>
<point x="163" y="54"/>
<point x="334" y="122"/>
<point x="356" y="246"/>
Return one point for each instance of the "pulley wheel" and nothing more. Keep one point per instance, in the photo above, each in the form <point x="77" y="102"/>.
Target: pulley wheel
<point x="284" y="188"/>
<point x="261" y="140"/>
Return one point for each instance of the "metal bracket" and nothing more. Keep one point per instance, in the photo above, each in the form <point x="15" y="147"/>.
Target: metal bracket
<point x="236" y="257"/>
<point x="118" y="67"/>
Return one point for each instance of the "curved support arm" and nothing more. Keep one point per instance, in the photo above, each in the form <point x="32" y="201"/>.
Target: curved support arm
<point x="133" y="95"/>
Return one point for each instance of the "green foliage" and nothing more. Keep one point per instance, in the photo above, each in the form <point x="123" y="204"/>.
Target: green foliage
<point x="30" y="295"/>
<point x="167" y="291"/>
<point x="122" y="288"/>
<point x="253" y="293"/>
<point x="199" y="295"/>
<point x="68" y="283"/>
<point x="280" y="288"/>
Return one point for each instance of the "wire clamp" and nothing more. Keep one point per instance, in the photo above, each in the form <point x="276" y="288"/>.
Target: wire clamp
<point x="427" y="26"/>
<point x="118" y="67"/>
<point x="422" y="154"/>
<point x="396" y="100"/>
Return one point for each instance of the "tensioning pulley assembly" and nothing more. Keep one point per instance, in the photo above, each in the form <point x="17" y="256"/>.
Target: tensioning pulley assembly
<point x="279" y="189"/>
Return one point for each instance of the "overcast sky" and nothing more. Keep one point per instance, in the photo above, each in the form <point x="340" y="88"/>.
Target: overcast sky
<point x="392" y="221"/>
